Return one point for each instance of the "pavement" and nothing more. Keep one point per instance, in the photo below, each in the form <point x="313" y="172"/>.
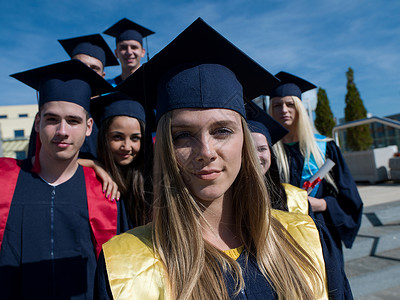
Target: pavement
<point x="373" y="263"/>
<point x="374" y="194"/>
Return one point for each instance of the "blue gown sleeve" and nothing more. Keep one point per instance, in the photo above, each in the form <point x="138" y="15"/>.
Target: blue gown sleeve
<point x="338" y="284"/>
<point x="344" y="206"/>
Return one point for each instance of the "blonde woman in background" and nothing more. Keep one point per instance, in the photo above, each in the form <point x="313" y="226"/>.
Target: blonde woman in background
<point x="335" y="202"/>
<point x="266" y="132"/>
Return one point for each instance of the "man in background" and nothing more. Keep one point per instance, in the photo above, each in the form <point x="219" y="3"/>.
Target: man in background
<point x="129" y="47"/>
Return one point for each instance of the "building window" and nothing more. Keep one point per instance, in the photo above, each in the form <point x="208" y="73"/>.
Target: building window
<point x="19" y="133"/>
<point x="3" y="116"/>
<point x="20" y="154"/>
<point x="23" y="115"/>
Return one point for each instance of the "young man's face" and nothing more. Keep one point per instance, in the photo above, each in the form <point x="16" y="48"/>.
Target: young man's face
<point x="62" y="127"/>
<point x="92" y="62"/>
<point x="129" y="54"/>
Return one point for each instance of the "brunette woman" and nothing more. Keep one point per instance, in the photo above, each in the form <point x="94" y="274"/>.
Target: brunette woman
<point x="120" y="148"/>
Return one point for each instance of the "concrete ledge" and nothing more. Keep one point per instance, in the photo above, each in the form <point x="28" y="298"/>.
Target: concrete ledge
<point x="370" y="165"/>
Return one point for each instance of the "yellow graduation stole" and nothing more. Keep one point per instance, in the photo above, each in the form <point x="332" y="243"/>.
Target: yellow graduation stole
<point x="136" y="272"/>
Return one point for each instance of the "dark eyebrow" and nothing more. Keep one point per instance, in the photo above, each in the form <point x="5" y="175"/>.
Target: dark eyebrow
<point x="116" y="132"/>
<point x="226" y="123"/>
<point x="74" y="117"/>
<point x="121" y="133"/>
<point x="49" y="114"/>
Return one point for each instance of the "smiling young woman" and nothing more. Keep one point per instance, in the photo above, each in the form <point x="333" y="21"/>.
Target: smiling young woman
<point x="120" y="149"/>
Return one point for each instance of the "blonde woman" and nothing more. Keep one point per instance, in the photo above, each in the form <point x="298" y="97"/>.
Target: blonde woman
<point x="265" y="132"/>
<point x="213" y="234"/>
<point x="335" y="202"/>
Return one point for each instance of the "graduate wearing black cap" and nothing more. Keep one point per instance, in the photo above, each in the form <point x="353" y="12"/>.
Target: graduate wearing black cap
<point x="266" y="132"/>
<point x="54" y="217"/>
<point x="211" y="222"/>
<point x="129" y="46"/>
<point x="92" y="50"/>
<point x="335" y="203"/>
<point x="121" y="150"/>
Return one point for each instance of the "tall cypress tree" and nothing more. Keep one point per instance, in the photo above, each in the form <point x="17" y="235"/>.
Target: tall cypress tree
<point x="358" y="138"/>
<point x="324" y="121"/>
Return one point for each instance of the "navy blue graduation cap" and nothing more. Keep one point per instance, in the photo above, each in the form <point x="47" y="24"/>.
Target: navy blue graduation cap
<point x="261" y="122"/>
<point x="125" y="29"/>
<point x="188" y="73"/>
<point x="290" y="86"/>
<point x="115" y="104"/>
<point x="93" y="45"/>
<point x="70" y="81"/>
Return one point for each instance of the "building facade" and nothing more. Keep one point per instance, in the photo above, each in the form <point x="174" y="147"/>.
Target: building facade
<point x="16" y="123"/>
<point x="384" y="135"/>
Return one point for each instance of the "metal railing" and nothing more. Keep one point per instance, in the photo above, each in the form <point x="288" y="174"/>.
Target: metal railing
<point x="384" y="121"/>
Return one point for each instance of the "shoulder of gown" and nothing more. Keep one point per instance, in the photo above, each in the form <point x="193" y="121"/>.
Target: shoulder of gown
<point x="344" y="206"/>
<point x="133" y="269"/>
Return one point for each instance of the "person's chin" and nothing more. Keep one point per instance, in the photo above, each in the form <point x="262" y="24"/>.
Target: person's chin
<point x="125" y="162"/>
<point x="132" y="63"/>
<point x="63" y="156"/>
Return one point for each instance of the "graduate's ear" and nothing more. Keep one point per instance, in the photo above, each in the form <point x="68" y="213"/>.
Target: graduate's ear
<point x="89" y="126"/>
<point x="37" y="122"/>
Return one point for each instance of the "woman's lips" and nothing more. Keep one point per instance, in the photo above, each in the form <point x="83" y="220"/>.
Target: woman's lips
<point x="208" y="175"/>
<point x="124" y="155"/>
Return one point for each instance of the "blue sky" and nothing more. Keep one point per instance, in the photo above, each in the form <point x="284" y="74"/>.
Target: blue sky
<point x="316" y="40"/>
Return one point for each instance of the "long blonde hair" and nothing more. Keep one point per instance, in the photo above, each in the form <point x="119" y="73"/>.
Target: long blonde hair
<point x="307" y="143"/>
<point x="194" y="266"/>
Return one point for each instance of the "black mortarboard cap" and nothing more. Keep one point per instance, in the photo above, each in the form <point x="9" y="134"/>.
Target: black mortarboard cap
<point x="125" y="29"/>
<point x="187" y="73"/>
<point x="261" y="122"/>
<point x="115" y="104"/>
<point x="290" y="86"/>
<point x="70" y="81"/>
<point x="93" y="45"/>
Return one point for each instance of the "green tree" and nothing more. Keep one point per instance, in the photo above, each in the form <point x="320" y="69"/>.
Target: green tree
<point x="324" y="121"/>
<point x="358" y="138"/>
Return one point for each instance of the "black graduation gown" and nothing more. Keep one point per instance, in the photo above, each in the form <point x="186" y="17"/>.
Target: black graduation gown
<point x="257" y="287"/>
<point x="47" y="250"/>
<point x="344" y="208"/>
<point x="338" y="284"/>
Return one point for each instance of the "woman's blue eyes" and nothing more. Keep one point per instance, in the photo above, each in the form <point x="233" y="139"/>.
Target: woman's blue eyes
<point x="223" y="131"/>
<point x="277" y="105"/>
<point x="218" y="133"/>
